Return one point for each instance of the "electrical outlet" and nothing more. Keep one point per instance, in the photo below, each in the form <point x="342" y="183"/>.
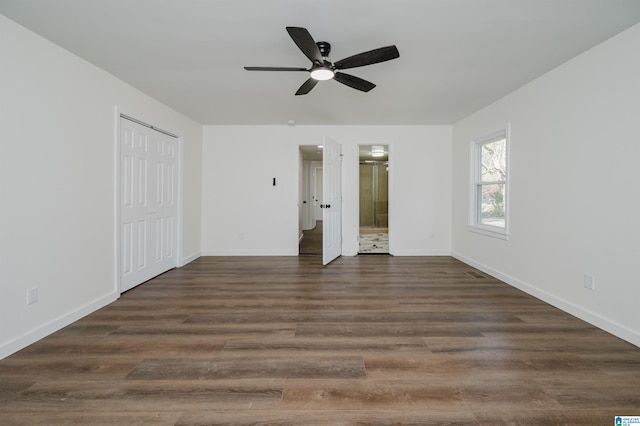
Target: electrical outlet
<point x="32" y="295"/>
<point x="589" y="283"/>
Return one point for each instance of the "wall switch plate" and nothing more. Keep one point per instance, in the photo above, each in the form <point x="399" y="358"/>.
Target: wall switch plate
<point x="32" y="295"/>
<point x="589" y="283"/>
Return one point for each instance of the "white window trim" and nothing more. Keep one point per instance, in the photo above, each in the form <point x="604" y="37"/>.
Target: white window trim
<point x="473" y="225"/>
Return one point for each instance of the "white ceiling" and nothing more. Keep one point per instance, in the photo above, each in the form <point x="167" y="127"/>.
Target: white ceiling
<point x="456" y="56"/>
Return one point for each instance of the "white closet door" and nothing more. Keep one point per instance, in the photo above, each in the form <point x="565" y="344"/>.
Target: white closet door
<point x="148" y="209"/>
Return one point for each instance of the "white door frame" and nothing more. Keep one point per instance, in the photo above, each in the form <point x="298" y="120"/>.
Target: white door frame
<point x="117" y="193"/>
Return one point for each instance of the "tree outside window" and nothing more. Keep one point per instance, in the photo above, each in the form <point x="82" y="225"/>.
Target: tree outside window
<point x="490" y="182"/>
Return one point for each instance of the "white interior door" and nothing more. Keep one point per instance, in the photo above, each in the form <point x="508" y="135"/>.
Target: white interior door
<point x="331" y="201"/>
<point x="317" y="192"/>
<point x="148" y="208"/>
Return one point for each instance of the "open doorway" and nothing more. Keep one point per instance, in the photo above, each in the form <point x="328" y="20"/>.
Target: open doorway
<point x="373" y="199"/>
<point x="310" y="235"/>
<point x="328" y="195"/>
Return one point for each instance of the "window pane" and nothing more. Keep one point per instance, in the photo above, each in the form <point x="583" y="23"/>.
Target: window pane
<point x="493" y="161"/>
<point x="491" y="205"/>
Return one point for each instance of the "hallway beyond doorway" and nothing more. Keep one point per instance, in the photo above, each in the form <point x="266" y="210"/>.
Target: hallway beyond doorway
<point x="311" y="243"/>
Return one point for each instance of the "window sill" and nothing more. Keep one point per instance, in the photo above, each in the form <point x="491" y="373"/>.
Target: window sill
<point x="493" y="232"/>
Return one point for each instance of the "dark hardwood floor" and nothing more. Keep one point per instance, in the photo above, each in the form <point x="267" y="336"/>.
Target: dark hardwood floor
<point x="283" y="340"/>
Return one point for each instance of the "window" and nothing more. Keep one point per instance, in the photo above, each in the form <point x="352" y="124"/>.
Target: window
<point x="489" y="184"/>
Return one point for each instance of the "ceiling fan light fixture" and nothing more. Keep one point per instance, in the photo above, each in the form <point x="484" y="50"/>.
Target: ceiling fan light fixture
<point x="322" y="73"/>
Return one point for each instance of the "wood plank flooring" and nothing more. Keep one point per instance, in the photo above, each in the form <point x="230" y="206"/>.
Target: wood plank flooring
<point x="283" y="340"/>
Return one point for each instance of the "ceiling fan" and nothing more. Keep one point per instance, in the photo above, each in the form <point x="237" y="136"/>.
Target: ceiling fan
<point x="323" y="69"/>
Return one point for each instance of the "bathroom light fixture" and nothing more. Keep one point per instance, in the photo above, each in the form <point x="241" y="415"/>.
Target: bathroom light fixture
<point x="377" y="151"/>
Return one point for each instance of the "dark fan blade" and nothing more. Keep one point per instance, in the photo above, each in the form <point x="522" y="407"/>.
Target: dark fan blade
<point x="274" y="69"/>
<point x="367" y="58"/>
<point x="353" y="81"/>
<point x="307" y="86"/>
<point x="305" y="42"/>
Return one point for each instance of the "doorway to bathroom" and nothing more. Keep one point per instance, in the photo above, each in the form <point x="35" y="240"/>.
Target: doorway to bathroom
<point x="373" y="199"/>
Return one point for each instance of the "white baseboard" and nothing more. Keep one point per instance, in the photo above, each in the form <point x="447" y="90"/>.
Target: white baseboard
<point x="249" y="253"/>
<point x="575" y="310"/>
<point x="36" y="334"/>
<point x="421" y="252"/>
<point x="190" y="258"/>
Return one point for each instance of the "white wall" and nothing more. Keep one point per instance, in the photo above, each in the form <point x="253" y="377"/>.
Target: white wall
<point x="243" y="214"/>
<point x="57" y="177"/>
<point x="574" y="186"/>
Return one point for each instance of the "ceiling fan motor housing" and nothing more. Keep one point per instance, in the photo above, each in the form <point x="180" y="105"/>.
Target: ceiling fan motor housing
<point x="324" y="48"/>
